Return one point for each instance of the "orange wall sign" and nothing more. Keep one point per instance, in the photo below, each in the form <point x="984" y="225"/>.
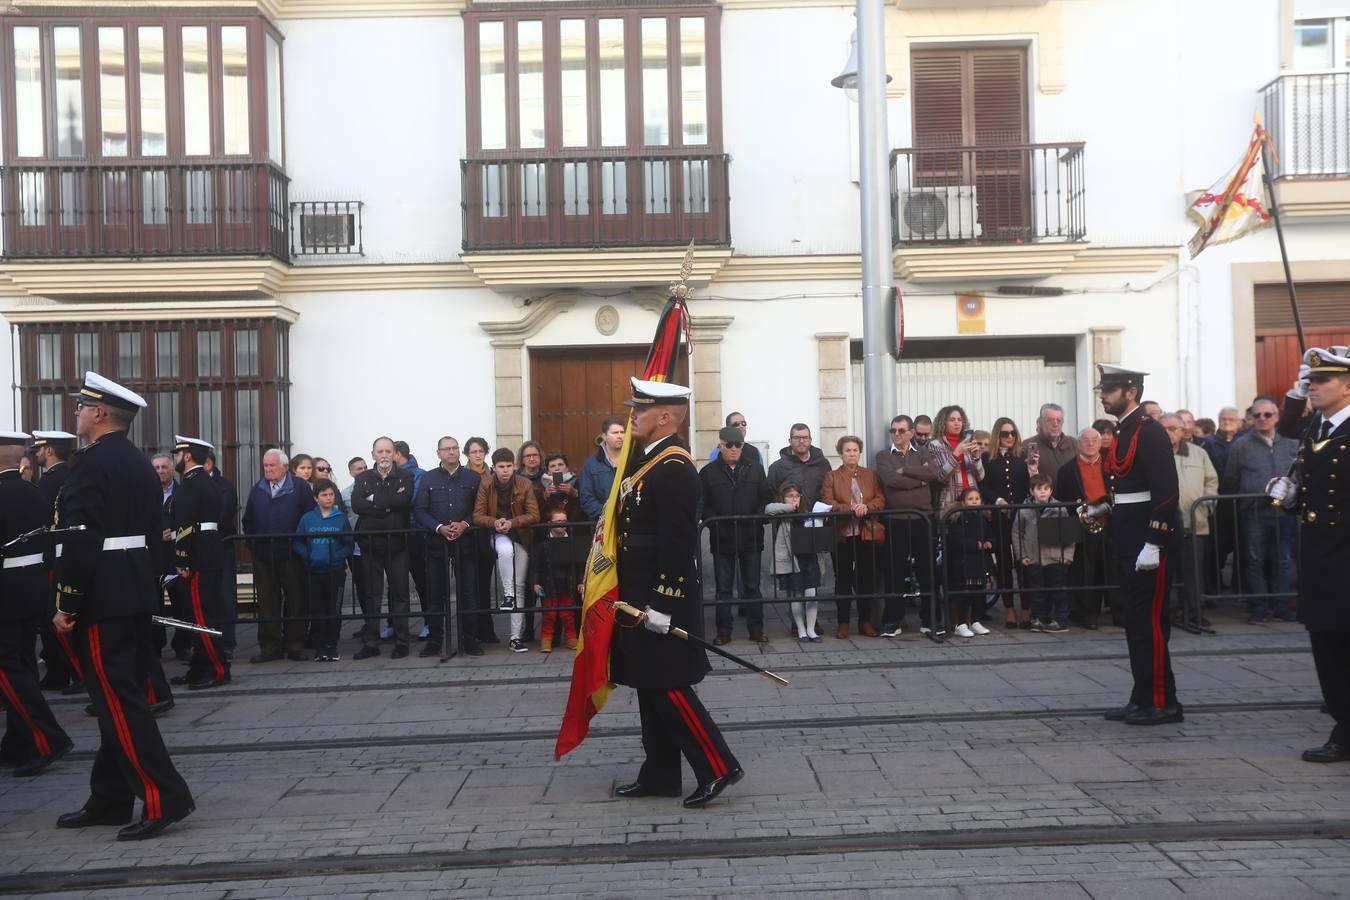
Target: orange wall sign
<point x="969" y="314"/>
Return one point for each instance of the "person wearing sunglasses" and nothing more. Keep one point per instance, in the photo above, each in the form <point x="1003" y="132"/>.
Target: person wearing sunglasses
<point x="749" y="452"/>
<point x="1268" y="532"/>
<point x="1007" y="480"/>
<point x="906" y="474"/>
<point x="104" y="574"/>
<point x="733" y="486"/>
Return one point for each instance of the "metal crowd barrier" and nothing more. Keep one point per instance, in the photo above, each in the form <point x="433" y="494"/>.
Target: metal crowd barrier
<point x="1263" y="542"/>
<point x="910" y="566"/>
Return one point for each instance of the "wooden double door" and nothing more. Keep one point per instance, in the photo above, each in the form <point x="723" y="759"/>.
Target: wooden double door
<point x="574" y="389"/>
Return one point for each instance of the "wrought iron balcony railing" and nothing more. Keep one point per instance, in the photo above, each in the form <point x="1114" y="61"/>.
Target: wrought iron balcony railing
<point x="995" y="194"/>
<point x="1308" y="119"/>
<point x="134" y="209"/>
<point x="327" y="228"/>
<point x="595" y="201"/>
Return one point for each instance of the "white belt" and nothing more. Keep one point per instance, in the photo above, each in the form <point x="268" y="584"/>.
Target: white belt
<point x="130" y="542"/>
<point x="208" y="526"/>
<point x="20" y="562"/>
<point x="59" y="548"/>
<point x="1136" y="497"/>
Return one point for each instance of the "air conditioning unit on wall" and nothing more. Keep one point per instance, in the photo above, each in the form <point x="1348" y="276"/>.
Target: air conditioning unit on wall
<point x="938" y="214"/>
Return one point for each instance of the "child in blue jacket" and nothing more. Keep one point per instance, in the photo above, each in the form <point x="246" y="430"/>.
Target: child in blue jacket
<point x="325" y="559"/>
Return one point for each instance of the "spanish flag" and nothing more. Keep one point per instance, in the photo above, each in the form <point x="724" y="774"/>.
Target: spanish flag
<point x="590" y="672"/>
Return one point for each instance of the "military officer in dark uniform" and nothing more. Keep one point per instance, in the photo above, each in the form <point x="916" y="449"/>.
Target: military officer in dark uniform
<point x="1322" y="472"/>
<point x="105" y="595"/>
<point x="657" y="560"/>
<point x="52" y="450"/>
<point x="199" y="559"/>
<point x="31" y="729"/>
<point x="1142" y="480"/>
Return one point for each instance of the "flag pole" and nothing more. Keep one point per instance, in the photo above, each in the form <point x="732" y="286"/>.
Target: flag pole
<point x="1279" y="236"/>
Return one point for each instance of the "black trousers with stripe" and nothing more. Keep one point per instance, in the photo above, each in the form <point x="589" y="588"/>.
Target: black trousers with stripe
<point x="674" y="721"/>
<point x="1144" y="596"/>
<point x="28" y="718"/>
<point x="208" y="658"/>
<point x="132" y="760"/>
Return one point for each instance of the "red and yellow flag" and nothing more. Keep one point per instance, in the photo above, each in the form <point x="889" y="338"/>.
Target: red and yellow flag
<point x="1234" y="206"/>
<point x="590" y="672"/>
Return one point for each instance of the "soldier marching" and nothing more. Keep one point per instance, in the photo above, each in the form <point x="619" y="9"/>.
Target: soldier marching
<point x="658" y="549"/>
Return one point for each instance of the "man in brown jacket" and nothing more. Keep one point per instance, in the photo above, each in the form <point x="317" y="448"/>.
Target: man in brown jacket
<point x="507" y="505"/>
<point x="906" y="475"/>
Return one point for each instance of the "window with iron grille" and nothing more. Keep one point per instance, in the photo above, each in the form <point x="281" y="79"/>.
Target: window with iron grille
<point x="321" y="228"/>
<point x="222" y="380"/>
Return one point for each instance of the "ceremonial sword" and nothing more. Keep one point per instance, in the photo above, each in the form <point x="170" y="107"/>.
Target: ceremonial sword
<point x="683" y="635"/>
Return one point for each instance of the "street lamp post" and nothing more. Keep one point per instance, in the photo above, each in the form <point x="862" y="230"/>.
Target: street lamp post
<point x="866" y="72"/>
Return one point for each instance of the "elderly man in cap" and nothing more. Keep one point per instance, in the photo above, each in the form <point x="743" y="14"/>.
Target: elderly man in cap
<point x="33" y="738"/>
<point x="658" y="547"/>
<point x="1324" y="551"/>
<point x="1144" y="524"/>
<point x="735" y="486"/>
<point x="199" y="558"/>
<point x="52" y="450"/>
<point x="106" y="568"/>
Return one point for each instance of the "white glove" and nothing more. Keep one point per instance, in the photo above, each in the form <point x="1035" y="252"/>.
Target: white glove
<point x="1280" y="489"/>
<point x="1300" y="389"/>
<point x="1148" y="558"/>
<point x="1097" y="510"/>
<point x="656" y="621"/>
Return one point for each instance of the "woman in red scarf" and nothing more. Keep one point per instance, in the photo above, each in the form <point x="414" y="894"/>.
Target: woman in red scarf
<point x="955" y="455"/>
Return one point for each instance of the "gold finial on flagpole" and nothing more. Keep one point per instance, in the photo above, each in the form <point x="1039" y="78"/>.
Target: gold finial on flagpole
<point x="681" y="288"/>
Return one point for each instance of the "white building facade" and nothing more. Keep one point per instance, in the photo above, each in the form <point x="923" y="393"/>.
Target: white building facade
<point x="310" y="222"/>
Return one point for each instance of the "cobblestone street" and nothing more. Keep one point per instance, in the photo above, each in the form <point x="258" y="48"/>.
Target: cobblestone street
<point x="888" y="768"/>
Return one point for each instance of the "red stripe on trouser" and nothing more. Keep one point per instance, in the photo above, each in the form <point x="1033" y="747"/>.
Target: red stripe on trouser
<point x="718" y="767"/>
<point x="150" y="696"/>
<point x="205" y="638"/>
<point x="71" y="655"/>
<point x="152" y="806"/>
<point x="1159" y="645"/>
<point x="12" y="697"/>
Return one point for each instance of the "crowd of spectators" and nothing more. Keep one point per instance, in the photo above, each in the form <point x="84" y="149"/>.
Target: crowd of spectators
<point x="921" y="527"/>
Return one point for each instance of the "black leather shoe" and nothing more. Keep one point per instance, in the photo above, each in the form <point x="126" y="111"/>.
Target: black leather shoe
<point x="430" y="648"/>
<point x="93" y="713"/>
<point x="86" y="818"/>
<point x="638" y="789"/>
<point x="1327" y="753"/>
<point x="1118" y="714"/>
<point x="265" y="657"/>
<point x="160" y="708"/>
<point x="366" y="653"/>
<point x="148" y="828"/>
<point x="179" y="680"/>
<point x="39" y="764"/>
<point x="293" y="656"/>
<point x="209" y="682"/>
<point x="400" y="651"/>
<point x="707" y="792"/>
<point x="53" y="683"/>
<point x="1153" y="715"/>
<point x="473" y="649"/>
<point x="70" y="690"/>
